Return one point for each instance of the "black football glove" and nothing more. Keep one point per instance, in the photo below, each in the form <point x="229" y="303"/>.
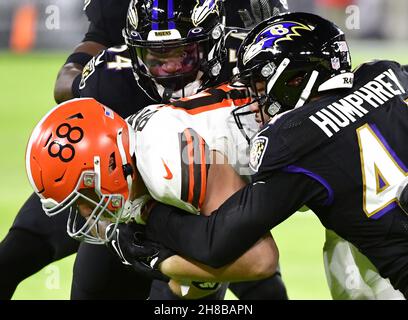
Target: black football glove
<point x="149" y="263"/>
<point x="260" y="11"/>
<point x="132" y="248"/>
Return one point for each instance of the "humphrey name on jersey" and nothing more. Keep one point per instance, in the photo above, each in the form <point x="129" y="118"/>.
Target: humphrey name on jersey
<point x="355" y="105"/>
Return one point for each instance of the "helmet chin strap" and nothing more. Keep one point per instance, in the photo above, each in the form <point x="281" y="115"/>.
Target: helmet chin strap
<point x="190" y="89"/>
<point x="279" y="70"/>
<point x="307" y="90"/>
<point x="123" y="157"/>
<point x="97" y="170"/>
<point x="167" y="94"/>
<point x="131" y="208"/>
<point x="128" y="203"/>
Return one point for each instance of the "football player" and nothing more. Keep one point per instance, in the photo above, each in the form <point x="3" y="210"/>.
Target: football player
<point x="107" y="19"/>
<point x="268" y="289"/>
<point x="112" y="72"/>
<point x="329" y="145"/>
<point x="52" y="238"/>
<point x="189" y="154"/>
<point x="34" y="240"/>
<point x="157" y="80"/>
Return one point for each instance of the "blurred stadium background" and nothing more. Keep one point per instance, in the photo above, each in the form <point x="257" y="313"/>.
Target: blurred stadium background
<point x="36" y="37"/>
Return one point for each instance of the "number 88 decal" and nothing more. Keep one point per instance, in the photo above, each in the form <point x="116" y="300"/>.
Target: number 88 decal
<point x="65" y="152"/>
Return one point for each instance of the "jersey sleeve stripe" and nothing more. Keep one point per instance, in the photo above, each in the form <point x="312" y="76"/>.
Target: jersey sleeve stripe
<point x="184" y="167"/>
<point x="197" y="191"/>
<point x="190" y="159"/>
<point x="205" y="164"/>
<point x="194" y="167"/>
<point x="187" y="166"/>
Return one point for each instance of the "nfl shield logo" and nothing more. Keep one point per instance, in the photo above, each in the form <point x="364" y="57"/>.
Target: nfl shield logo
<point x="335" y="62"/>
<point x="257" y="152"/>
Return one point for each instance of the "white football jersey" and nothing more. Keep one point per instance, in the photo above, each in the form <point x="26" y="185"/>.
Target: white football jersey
<point x="173" y="144"/>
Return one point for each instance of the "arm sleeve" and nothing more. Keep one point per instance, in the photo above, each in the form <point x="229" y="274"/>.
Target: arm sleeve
<point x="97" y="27"/>
<point x="107" y="19"/>
<point x="97" y="34"/>
<point x="243" y="219"/>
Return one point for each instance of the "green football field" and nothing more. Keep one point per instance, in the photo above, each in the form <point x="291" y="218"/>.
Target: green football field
<point x="26" y="94"/>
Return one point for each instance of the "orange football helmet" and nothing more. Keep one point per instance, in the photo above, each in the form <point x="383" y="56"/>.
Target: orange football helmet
<point x="82" y="146"/>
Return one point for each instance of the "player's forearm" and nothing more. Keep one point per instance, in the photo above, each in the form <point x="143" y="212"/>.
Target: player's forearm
<point x="70" y="72"/>
<point x="63" y="86"/>
<point x="219" y="239"/>
<point x="257" y="263"/>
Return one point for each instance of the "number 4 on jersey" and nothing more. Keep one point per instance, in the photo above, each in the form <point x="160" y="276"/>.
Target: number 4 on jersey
<point x="381" y="170"/>
<point x="120" y="63"/>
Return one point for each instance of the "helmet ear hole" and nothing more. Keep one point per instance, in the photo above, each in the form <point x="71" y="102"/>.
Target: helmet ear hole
<point x="112" y="162"/>
<point x="297" y="80"/>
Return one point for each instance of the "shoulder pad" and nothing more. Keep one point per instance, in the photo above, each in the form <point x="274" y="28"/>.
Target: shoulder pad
<point x="139" y="120"/>
<point x="366" y="71"/>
